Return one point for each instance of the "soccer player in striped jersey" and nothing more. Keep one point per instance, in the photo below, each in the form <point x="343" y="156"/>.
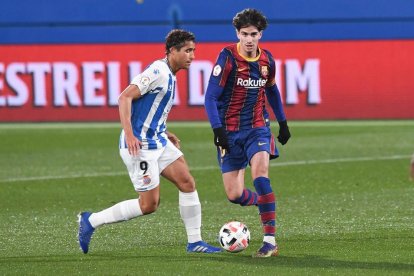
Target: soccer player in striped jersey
<point x="241" y="81"/>
<point x="149" y="150"/>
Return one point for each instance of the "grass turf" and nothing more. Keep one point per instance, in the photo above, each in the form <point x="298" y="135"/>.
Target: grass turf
<point x="345" y="203"/>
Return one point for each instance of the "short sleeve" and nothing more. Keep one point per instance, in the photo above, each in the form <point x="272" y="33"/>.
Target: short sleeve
<point x="149" y="79"/>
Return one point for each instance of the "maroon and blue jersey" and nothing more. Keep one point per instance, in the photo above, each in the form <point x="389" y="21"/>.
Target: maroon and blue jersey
<point x="241" y="83"/>
<point x="235" y="100"/>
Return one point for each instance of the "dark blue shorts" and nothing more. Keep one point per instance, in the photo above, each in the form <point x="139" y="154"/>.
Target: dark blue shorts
<point x="243" y="145"/>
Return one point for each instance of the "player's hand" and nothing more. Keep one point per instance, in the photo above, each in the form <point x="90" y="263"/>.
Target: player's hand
<point x="284" y="133"/>
<point x="174" y="139"/>
<point x="220" y="139"/>
<point x="134" y="145"/>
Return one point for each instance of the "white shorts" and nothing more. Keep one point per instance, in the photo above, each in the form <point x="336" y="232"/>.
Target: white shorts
<point x="145" y="169"/>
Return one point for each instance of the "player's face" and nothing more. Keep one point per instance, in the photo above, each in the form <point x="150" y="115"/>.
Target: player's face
<point x="249" y="40"/>
<point x="182" y="59"/>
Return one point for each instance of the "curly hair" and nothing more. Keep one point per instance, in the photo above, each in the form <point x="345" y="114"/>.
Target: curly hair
<point x="177" y="38"/>
<point x="250" y="17"/>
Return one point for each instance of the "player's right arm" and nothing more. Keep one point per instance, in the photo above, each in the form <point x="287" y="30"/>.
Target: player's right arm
<point x="214" y="90"/>
<point x="220" y="136"/>
<point x="125" y="105"/>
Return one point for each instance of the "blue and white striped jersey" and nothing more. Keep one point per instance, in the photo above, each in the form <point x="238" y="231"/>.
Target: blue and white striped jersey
<point x="149" y="112"/>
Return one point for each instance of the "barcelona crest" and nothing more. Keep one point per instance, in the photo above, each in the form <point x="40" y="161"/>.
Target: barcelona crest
<point x="264" y="71"/>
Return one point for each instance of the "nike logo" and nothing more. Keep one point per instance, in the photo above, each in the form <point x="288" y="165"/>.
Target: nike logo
<point x="261" y="143"/>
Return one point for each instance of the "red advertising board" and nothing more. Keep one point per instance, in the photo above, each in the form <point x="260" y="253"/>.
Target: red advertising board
<point x="318" y="80"/>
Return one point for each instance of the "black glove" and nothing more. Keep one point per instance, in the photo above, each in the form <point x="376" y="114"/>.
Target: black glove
<point x="284" y="133"/>
<point x="220" y="138"/>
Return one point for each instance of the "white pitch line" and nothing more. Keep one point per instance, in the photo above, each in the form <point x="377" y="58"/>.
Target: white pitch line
<point x="51" y="177"/>
<point x="192" y="124"/>
<point x="339" y="160"/>
<point x="204" y="168"/>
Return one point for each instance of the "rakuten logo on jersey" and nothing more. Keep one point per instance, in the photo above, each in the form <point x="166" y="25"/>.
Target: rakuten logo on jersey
<point x="250" y="83"/>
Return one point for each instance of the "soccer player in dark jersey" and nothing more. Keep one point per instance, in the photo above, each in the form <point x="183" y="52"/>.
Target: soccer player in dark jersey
<point x="241" y="81"/>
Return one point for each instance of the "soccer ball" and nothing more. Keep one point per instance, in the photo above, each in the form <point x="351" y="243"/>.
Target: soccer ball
<point x="234" y="236"/>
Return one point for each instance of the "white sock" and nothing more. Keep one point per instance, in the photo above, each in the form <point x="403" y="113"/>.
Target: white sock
<point x="270" y="239"/>
<point x="121" y="211"/>
<point x="190" y="211"/>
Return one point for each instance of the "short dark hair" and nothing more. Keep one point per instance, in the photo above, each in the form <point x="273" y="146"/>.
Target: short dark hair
<point x="250" y="17"/>
<point x="177" y="38"/>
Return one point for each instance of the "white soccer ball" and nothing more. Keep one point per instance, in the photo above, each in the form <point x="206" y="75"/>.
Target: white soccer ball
<point x="234" y="236"/>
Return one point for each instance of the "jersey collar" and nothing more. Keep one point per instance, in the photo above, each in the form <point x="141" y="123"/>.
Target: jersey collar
<point x="168" y="64"/>
<point x="247" y="58"/>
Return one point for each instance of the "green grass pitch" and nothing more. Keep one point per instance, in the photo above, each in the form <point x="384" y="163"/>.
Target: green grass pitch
<point x="345" y="203"/>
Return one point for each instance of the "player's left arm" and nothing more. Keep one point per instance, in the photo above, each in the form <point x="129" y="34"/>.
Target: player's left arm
<point x="275" y="102"/>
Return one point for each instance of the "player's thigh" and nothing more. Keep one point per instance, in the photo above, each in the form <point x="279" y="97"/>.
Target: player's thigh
<point x="260" y="139"/>
<point x="143" y="169"/>
<point x="174" y="168"/>
<point x="179" y="174"/>
<point x="260" y="164"/>
<point x="234" y="183"/>
<point x="236" y="159"/>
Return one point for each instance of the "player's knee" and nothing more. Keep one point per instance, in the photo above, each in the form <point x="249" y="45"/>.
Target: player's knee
<point x="187" y="185"/>
<point x="149" y="207"/>
<point x="259" y="170"/>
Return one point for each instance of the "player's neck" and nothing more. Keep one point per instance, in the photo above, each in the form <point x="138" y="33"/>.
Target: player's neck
<point x="250" y="56"/>
<point x="253" y="54"/>
<point x="171" y="66"/>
